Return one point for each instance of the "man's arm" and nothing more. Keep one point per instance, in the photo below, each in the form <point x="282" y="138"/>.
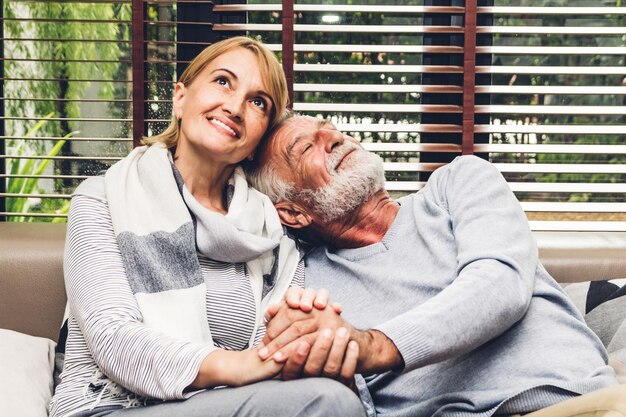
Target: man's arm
<point x="497" y="260"/>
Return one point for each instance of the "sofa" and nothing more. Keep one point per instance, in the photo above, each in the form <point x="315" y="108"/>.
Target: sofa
<point x="32" y="304"/>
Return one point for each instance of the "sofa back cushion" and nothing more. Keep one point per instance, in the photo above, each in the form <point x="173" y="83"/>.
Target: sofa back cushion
<point x="32" y="294"/>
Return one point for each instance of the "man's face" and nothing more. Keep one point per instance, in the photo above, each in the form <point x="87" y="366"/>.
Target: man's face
<point x="331" y="171"/>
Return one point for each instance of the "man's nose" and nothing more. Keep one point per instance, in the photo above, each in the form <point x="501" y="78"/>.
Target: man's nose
<point x="331" y="139"/>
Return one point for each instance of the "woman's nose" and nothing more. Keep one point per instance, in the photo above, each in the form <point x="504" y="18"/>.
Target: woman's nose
<point x="233" y="105"/>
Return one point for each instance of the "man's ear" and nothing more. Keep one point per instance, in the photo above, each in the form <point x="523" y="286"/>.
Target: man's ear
<point x="293" y="215"/>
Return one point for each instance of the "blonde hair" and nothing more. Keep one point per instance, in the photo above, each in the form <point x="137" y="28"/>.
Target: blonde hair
<point x="271" y="73"/>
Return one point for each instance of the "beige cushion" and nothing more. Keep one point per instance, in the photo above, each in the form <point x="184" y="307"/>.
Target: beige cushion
<point x="606" y="402"/>
<point x="26" y="364"/>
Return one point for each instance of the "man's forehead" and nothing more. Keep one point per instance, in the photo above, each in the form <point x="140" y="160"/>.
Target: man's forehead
<point x="299" y="126"/>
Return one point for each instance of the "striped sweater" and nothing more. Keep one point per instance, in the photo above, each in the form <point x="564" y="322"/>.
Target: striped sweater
<point x="111" y="358"/>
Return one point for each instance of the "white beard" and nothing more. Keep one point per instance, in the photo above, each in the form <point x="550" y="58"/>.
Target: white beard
<point x="361" y="176"/>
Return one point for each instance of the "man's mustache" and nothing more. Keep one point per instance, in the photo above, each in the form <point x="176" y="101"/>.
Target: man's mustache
<point x="339" y="153"/>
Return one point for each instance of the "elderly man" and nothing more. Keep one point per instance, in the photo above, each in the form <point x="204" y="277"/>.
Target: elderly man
<point x="459" y="318"/>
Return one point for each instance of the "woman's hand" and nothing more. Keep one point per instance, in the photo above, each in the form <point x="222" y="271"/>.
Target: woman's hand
<point x="303" y="299"/>
<point x="234" y="368"/>
<point x="306" y="299"/>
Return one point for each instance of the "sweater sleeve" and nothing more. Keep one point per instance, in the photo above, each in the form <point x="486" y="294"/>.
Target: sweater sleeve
<point x="127" y="352"/>
<point x="496" y="264"/>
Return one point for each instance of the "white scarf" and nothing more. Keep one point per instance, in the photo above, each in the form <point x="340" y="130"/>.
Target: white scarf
<point x="159" y="233"/>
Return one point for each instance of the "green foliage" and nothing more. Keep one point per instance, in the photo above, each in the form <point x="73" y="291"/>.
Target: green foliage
<point x="75" y="58"/>
<point x="27" y="181"/>
<point x="50" y="57"/>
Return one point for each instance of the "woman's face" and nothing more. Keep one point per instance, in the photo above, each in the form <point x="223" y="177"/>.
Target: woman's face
<point x="226" y="109"/>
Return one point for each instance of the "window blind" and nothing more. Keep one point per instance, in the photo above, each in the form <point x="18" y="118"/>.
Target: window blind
<point x="556" y="114"/>
<point x="65" y="96"/>
<point x="374" y="70"/>
<point x="537" y="89"/>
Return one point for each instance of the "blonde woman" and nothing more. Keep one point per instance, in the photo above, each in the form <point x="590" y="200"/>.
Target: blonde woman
<point x="171" y="260"/>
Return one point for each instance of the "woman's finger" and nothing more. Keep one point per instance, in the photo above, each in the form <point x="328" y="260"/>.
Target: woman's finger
<point x="306" y="299"/>
<point x="292" y="297"/>
<point x="321" y="299"/>
<point x="276" y="341"/>
<point x="271" y="311"/>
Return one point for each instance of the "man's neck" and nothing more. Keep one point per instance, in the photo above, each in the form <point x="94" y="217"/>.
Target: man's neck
<point x="367" y="225"/>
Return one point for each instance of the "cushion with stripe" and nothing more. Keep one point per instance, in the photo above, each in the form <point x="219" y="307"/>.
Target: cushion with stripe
<point x="603" y="305"/>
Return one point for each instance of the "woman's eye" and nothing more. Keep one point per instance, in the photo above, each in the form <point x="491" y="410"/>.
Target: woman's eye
<point x="259" y="102"/>
<point x="222" y="81"/>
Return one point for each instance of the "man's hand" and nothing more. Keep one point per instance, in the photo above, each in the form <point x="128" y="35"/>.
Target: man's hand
<point x="288" y="324"/>
<point x="332" y="357"/>
<point x="376" y="353"/>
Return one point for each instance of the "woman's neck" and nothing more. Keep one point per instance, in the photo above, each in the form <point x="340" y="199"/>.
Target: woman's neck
<point x="205" y="179"/>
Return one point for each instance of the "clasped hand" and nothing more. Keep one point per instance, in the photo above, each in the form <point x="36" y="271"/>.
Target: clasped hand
<point x="310" y="337"/>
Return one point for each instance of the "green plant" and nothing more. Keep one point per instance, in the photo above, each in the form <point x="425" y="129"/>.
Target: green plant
<point x="25" y="177"/>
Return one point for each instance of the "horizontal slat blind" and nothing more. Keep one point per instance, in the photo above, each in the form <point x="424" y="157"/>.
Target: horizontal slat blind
<point x="557" y="117"/>
<point x="66" y="100"/>
<point x="550" y="91"/>
<point x="368" y="68"/>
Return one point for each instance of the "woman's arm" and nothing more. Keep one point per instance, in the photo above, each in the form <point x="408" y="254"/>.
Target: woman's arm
<point x="140" y="359"/>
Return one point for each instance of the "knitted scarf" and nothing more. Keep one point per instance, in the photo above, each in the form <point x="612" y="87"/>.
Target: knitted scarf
<point x="160" y="227"/>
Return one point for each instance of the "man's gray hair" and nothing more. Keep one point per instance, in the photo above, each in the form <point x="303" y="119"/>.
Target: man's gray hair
<point x="265" y="178"/>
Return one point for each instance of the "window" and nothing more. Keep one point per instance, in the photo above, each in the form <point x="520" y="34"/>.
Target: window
<point x="535" y="87"/>
<point x="66" y="100"/>
<point x="556" y="113"/>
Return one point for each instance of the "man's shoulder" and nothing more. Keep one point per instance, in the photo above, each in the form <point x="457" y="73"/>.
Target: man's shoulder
<point x="465" y="168"/>
<point x="468" y="162"/>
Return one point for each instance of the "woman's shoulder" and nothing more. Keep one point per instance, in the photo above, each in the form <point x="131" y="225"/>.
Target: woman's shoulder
<point x="92" y="187"/>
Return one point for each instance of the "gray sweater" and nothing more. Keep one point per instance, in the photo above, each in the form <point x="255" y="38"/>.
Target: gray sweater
<point x="457" y="285"/>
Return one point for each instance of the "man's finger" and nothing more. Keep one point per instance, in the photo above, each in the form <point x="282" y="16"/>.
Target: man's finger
<point x="292" y="296"/>
<point x="338" y="308"/>
<point x="306" y="299"/>
<point x="333" y="365"/>
<point x="348" y="369"/>
<point x="319" y="353"/>
<point x="292" y="368"/>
